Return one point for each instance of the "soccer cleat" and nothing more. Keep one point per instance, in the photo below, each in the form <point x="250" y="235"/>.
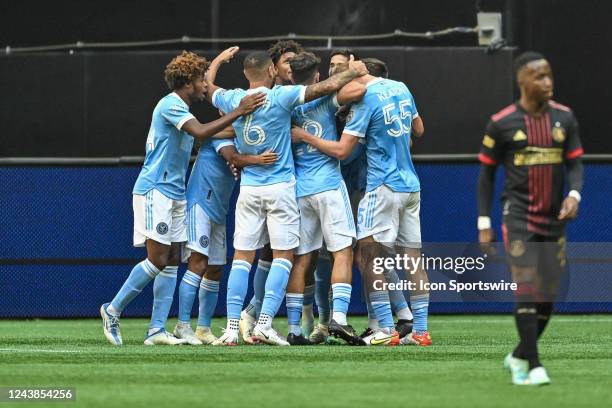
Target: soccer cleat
<point x="403" y="327"/>
<point x="518" y="367"/>
<point x="418" y="339"/>
<point x="228" y="338"/>
<point x="296" y="340"/>
<point x="110" y="324"/>
<point x="246" y="324"/>
<point x="367" y="332"/>
<point x="538" y="376"/>
<point x="380" y="338"/>
<point x="184" y="331"/>
<point x="205" y="335"/>
<point x="319" y="334"/>
<point x="346" y="333"/>
<point x="162" y="337"/>
<point x="268" y="335"/>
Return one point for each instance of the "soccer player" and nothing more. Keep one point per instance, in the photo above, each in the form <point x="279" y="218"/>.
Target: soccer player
<point x="325" y="211"/>
<point x="388" y="215"/>
<point x="280" y="53"/>
<point x="536" y="140"/>
<point x="159" y="194"/>
<point x="267" y="194"/>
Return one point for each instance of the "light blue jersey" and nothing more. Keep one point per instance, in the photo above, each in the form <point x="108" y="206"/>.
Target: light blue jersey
<point x="168" y="150"/>
<point x="211" y="182"/>
<point x="316" y="172"/>
<point x="268" y="128"/>
<point x="384" y="118"/>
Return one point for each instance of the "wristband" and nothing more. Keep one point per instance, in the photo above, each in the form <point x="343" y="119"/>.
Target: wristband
<point x="575" y="194"/>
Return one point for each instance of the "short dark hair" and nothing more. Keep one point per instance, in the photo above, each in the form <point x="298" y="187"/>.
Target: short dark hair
<point x="347" y="52"/>
<point x="282" y="46"/>
<point x="256" y="61"/>
<point x="525" y="58"/>
<point x="304" y="67"/>
<point x="376" y="67"/>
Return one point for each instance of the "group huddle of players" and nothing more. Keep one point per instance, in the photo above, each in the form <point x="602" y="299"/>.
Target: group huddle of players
<point x="324" y="166"/>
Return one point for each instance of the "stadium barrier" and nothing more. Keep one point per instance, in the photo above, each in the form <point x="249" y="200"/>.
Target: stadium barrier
<point x="67" y="243"/>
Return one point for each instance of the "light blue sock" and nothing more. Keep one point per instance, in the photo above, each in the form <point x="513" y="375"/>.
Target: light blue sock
<point x="237" y="286"/>
<point x="396" y="297"/>
<point x="341" y="293"/>
<point x="209" y="293"/>
<point x="382" y="309"/>
<point x="163" y="294"/>
<point x="420" y="310"/>
<point x="259" y="285"/>
<point x="294" y="303"/>
<point x="322" y="286"/>
<point x="140" y="276"/>
<point x="187" y="293"/>
<point x="276" y="284"/>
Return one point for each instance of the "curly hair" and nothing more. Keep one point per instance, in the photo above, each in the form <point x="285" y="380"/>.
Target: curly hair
<point x="304" y="66"/>
<point x="282" y="46"/>
<point x="184" y="69"/>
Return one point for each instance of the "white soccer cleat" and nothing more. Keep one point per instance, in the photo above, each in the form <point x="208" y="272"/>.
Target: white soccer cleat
<point x="163" y="338"/>
<point x="205" y="335"/>
<point x="319" y="334"/>
<point x="519" y="369"/>
<point x="269" y="336"/>
<point x="538" y="376"/>
<point x="229" y="338"/>
<point x="110" y="324"/>
<point x="381" y="338"/>
<point x="184" y="331"/>
<point x="246" y="325"/>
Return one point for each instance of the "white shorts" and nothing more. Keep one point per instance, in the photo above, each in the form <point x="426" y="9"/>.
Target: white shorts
<point x="391" y="218"/>
<point x="159" y="218"/>
<point x="272" y="207"/>
<point x="205" y="237"/>
<point x="326" y="215"/>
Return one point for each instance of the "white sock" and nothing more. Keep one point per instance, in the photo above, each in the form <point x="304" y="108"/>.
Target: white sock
<point x="373" y="324"/>
<point x="295" y="329"/>
<point x="111" y="310"/>
<point x="265" y="321"/>
<point x="387" y="330"/>
<point x="339" y="317"/>
<point x="404" y="314"/>
<point x="232" y="325"/>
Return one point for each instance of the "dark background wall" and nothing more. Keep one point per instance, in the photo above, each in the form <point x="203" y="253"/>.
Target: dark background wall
<point x="99" y="104"/>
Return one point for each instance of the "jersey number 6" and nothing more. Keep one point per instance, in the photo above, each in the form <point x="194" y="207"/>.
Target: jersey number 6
<point x="249" y="128"/>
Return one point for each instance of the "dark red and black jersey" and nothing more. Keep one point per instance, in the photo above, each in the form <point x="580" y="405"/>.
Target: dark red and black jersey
<point x="533" y="151"/>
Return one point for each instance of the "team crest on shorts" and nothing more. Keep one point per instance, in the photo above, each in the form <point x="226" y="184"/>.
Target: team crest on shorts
<point x="204" y="241"/>
<point x="162" y="228"/>
<point x="517" y="248"/>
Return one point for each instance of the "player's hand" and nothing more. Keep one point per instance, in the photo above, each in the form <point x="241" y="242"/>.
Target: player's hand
<point x="358" y="67"/>
<point x="235" y="170"/>
<point x="297" y="134"/>
<point x="268" y="157"/>
<point x="486" y="237"/>
<point x="228" y="54"/>
<point x="251" y="102"/>
<point x="569" y="209"/>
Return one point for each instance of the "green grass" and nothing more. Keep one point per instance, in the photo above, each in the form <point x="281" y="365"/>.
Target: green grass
<point x="461" y="369"/>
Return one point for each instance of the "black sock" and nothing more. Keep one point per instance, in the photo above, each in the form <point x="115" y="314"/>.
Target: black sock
<point x="525" y="315"/>
<point x="544" y="310"/>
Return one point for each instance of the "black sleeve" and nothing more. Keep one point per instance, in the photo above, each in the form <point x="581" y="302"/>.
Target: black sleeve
<point x="491" y="150"/>
<point x="486" y="182"/>
<point x="573" y="145"/>
<point x="575" y="174"/>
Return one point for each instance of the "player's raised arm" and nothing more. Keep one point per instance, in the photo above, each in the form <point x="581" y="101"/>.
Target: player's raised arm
<point x="205" y="130"/>
<point x="335" y="82"/>
<point x="211" y="74"/>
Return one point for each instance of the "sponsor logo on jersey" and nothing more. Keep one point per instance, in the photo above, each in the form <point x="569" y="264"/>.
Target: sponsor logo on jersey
<point x="532" y="155"/>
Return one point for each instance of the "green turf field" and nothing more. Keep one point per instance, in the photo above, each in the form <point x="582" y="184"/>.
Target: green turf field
<point x="462" y="369"/>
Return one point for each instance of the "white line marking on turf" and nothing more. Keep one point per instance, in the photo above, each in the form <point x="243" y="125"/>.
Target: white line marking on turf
<point x="39" y="351"/>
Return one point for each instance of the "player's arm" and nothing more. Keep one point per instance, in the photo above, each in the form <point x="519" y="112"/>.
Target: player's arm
<point x="206" y="130"/>
<point x="575" y="173"/>
<point x="351" y="92"/>
<point x="211" y="74"/>
<point x="340" y="149"/>
<point x="231" y="155"/>
<point x="490" y="153"/>
<point x="418" y="128"/>
<point x="335" y="82"/>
